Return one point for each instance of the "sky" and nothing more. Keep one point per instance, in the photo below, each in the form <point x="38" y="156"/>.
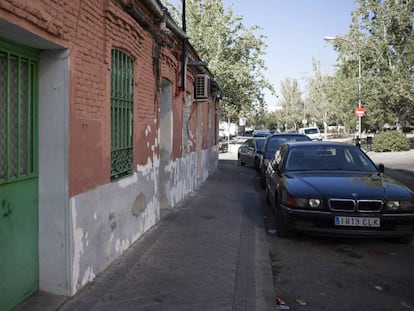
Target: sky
<point x="295" y="30"/>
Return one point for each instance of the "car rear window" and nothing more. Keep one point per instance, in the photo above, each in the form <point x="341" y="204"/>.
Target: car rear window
<point x="311" y="131"/>
<point x="275" y="142"/>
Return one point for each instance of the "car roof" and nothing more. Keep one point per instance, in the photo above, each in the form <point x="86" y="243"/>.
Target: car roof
<point x="309" y="127"/>
<point x="286" y="135"/>
<point x="318" y="143"/>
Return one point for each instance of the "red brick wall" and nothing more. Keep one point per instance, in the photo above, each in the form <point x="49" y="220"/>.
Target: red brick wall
<point x="90" y="29"/>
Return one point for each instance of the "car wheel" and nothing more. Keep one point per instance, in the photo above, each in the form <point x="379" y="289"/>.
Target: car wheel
<point x="283" y="228"/>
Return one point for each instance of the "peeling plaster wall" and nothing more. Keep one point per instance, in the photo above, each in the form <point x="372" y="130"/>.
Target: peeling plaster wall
<point x="107" y="220"/>
<point x="183" y="173"/>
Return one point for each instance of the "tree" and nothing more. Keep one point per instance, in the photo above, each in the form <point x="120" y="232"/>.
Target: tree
<point x="381" y="37"/>
<point x="292" y="103"/>
<point x="234" y="53"/>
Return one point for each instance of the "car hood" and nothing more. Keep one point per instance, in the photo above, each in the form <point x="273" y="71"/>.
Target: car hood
<point x="352" y="185"/>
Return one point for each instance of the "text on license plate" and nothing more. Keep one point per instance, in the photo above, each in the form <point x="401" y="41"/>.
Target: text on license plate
<point x="357" y="221"/>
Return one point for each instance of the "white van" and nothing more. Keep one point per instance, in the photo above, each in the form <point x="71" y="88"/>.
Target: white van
<point x="312" y="132"/>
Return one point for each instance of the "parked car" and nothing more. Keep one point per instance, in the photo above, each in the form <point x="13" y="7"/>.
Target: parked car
<point x="312" y="132"/>
<point x="261" y="133"/>
<point x="235" y="143"/>
<point x="271" y="145"/>
<point x="335" y="189"/>
<point x="248" y="153"/>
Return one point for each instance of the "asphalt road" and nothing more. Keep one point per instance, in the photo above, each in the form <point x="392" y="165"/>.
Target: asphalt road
<point x="313" y="273"/>
<point x="342" y="274"/>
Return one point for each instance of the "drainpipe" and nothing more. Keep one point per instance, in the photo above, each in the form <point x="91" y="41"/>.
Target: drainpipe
<point x="154" y="6"/>
<point x="184" y="51"/>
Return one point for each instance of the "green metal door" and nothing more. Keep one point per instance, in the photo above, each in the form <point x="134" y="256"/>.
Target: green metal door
<point x="19" y="263"/>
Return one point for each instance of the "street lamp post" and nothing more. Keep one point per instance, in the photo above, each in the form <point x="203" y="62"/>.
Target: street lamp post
<point x="333" y="39"/>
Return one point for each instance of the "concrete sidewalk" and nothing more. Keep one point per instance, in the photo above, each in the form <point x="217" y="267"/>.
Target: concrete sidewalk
<point x="210" y="253"/>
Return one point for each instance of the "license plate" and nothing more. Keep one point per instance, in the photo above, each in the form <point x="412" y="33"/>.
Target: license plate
<point x="357" y="221"/>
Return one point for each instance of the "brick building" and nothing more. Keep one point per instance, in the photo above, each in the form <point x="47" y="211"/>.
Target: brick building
<point x="103" y="123"/>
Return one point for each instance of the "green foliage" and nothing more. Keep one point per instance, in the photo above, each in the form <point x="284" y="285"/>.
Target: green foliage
<point x="291" y="101"/>
<point x="391" y="141"/>
<point x="234" y="53"/>
<point x="381" y="40"/>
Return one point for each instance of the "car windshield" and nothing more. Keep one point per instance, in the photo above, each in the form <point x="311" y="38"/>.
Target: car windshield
<point x="329" y="157"/>
<point x="260" y="143"/>
<point x="311" y="131"/>
<point x="275" y="142"/>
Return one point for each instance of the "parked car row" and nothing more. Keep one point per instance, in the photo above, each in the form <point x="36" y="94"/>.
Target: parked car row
<point x="329" y="189"/>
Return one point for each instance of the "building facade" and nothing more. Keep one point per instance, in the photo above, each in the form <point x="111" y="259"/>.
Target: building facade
<point x="107" y="117"/>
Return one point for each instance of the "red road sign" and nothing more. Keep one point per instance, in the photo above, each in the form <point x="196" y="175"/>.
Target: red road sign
<point x="360" y="112"/>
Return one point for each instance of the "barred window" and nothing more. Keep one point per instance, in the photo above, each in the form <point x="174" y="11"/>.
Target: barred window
<point x="18" y="113"/>
<point x="122" y="99"/>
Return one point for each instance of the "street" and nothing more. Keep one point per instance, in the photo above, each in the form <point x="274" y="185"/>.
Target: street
<point x="342" y="274"/>
<point x="314" y="273"/>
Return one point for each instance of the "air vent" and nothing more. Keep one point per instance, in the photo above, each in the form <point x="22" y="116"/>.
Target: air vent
<point x="202" y="86"/>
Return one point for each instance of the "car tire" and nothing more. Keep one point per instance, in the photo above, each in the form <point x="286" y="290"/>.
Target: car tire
<point x="282" y="226"/>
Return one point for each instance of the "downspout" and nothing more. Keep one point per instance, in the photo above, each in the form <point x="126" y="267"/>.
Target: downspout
<point x="184" y="51"/>
<point x="154" y="6"/>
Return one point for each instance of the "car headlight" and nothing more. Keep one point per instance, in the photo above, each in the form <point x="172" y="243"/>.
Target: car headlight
<point x="396" y="205"/>
<point x="312" y="203"/>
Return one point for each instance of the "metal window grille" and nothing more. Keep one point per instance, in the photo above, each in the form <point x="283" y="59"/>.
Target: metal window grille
<point x="121" y="114"/>
<point x="18" y="113"/>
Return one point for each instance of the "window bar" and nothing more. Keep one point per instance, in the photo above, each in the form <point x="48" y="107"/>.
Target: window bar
<point x="18" y="99"/>
<point x="14" y="128"/>
<point x="35" y="124"/>
<point x="112" y="96"/>
<point x="115" y="67"/>
<point x="7" y="117"/>
<point x="121" y="101"/>
<point x="117" y="101"/>
<point x="121" y="117"/>
<point x="3" y="125"/>
<point x="28" y="113"/>
<point x="131" y="98"/>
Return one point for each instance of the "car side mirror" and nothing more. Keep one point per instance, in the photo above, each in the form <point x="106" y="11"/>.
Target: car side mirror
<point x="381" y="168"/>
